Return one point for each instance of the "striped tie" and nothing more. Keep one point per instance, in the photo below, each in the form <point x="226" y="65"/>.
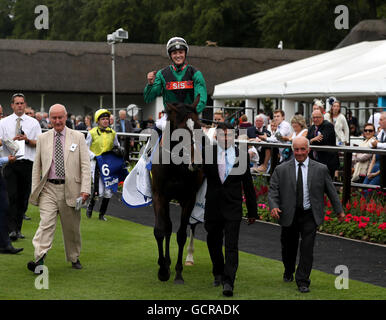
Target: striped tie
<point x="17" y="131"/>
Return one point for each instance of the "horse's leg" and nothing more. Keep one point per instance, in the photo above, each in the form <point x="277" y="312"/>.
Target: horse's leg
<point x="189" y="261"/>
<point x="181" y="239"/>
<point x="162" y="229"/>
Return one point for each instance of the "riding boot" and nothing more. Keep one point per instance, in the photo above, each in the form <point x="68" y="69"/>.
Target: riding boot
<point x="90" y="207"/>
<point x="103" y="208"/>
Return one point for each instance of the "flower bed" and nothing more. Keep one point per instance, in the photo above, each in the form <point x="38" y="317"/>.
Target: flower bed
<point x="365" y="214"/>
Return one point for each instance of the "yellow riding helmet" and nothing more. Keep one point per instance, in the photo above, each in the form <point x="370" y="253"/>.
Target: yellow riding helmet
<point x="101" y="112"/>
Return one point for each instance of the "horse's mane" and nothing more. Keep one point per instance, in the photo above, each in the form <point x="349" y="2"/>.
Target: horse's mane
<point x="178" y="111"/>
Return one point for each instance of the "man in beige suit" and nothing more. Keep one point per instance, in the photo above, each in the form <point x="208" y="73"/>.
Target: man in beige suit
<point x="60" y="175"/>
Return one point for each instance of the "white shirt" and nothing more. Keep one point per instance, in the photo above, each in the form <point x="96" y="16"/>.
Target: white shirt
<point x="30" y="127"/>
<point x="230" y="158"/>
<point x="306" y="194"/>
<point x="381" y="145"/>
<point x="376" y="117"/>
<point x="284" y="128"/>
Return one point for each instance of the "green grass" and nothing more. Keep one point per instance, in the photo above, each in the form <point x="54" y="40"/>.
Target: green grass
<point x="120" y="262"/>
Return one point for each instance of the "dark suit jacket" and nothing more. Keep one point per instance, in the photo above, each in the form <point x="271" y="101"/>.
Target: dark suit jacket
<point x="252" y="132"/>
<point x="128" y="126"/>
<point x="330" y="159"/>
<point x="282" y="191"/>
<point x="225" y="200"/>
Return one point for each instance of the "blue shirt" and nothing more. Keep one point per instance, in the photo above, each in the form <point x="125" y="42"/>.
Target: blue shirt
<point x="123" y="126"/>
<point x="230" y="157"/>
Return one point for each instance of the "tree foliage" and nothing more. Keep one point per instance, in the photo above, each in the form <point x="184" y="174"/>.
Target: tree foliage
<point x="300" y="24"/>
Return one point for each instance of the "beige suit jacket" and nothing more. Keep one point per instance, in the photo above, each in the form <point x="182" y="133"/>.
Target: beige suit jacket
<point x="76" y="164"/>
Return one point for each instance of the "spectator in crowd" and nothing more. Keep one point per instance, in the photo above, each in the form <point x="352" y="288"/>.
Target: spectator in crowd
<point x="100" y="139"/>
<point x="322" y="133"/>
<point x="223" y="218"/>
<point x="342" y="131"/>
<point x="124" y="125"/>
<point x="361" y="161"/>
<point x="79" y="124"/>
<point x="354" y="131"/>
<point x="1" y="112"/>
<point x="25" y="130"/>
<point x="244" y="123"/>
<point x="374" y="118"/>
<point x="299" y="127"/>
<point x="380" y="143"/>
<point x="300" y="212"/>
<point x="30" y="112"/>
<point x="61" y="175"/>
<point x="42" y="122"/>
<point x="258" y="133"/>
<point x="47" y="119"/>
<point x="149" y="123"/>
<point x="136" y="124"/>
<point x="283" y="131"/>
<point x="318" y="105"/>
<point x="5" y="241"/>
<point x="351" y="120"/>
<point x="265" y="117"/>
<point x="69" y="122"/>
<point x="88" y="122"/>
<point x="111" y="120"/>
<point x="218" y="117"/>
<point x="373" y="172"/>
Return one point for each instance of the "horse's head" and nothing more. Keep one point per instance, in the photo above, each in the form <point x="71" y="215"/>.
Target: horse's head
<point x="185" y="116"/>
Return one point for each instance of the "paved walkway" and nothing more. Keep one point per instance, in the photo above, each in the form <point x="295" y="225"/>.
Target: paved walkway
<point x="366" y="262"/>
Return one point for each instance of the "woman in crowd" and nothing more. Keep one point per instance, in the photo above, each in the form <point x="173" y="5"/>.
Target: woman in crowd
<point x="339" y="121"/>
<point x="361" y="161"/>
<point x="299" y="127"/>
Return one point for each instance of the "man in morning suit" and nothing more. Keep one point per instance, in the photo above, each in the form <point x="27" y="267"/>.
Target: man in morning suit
<point x="223" y="207"/>
<point x="301" y="211"/>
<point x="60" y="175"/>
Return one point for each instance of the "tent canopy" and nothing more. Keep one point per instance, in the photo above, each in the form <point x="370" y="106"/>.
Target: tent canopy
<point x="356" y="70"/>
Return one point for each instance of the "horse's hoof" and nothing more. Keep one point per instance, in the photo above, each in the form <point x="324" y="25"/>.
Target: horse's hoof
<point x="179" y="281"/>
<point x="189" y="263"/>
<point x="164" y="276"/>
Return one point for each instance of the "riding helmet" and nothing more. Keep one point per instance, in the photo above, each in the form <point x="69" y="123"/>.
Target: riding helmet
<point x="101" y="112"/>
<point x="176" y="43"/>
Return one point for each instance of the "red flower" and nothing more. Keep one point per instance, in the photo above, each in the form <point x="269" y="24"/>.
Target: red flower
<point x="328" y="204"/>
<point x="327" y="218"/>
<point x="348" y="206"/>
<point x="362" y="225"/>
<point x="382" y="226"/>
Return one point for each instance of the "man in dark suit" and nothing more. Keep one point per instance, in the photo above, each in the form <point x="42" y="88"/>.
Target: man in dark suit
<point x="124" y="125"/>
<point x="322" y="133"/>
<point x="5" y="241"/>
<point x="223" y="207"/>
<point x="302" y="212"/>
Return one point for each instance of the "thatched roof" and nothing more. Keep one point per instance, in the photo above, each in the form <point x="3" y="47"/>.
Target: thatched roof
<point x="85" y="67"/>
<point x="366" y="30"/>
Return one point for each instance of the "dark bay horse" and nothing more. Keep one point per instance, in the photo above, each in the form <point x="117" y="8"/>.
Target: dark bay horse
<point x="175" y="181"/>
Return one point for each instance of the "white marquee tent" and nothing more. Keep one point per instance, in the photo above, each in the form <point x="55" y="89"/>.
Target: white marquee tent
<point x="353" y="72"/>
<point x="356" y="70"/>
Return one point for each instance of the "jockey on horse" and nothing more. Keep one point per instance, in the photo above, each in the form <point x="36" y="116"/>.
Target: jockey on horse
<point x="178" y="82"/>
